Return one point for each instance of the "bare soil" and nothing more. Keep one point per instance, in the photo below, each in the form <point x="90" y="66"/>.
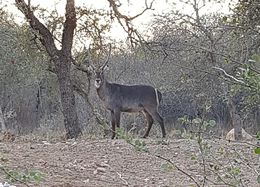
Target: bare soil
<point x="116" y="163"/>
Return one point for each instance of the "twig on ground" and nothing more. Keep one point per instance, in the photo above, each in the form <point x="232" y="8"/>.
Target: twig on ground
<point x="12" y="177"/>
<point x="179" y="169"/>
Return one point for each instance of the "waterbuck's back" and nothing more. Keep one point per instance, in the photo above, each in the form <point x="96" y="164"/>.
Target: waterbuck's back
<point x="134" y="98"/>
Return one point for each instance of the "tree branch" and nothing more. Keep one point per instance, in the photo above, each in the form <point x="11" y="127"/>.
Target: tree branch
<point x="46" y="37"/>
<point x="179" y="169"/>
<point x="69" y="27"/>
<point x="119" y="15"/>
<point x="229" y="76"/>
<point x="127" y="25"/>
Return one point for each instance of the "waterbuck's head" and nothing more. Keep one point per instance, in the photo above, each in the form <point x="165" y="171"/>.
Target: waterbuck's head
<point x="99" y="72"/>
<point x="99" y="78"/>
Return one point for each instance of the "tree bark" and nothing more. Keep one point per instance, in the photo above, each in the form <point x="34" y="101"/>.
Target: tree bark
<point x="2" y="121"/>
<point x="67" y="97"/>
<point x="62" y="60"/>
<point x="237" y="127"/>
<point x="236" y="122"/>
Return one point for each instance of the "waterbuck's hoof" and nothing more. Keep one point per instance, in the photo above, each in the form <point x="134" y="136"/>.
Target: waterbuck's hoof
<point x="144" y="136"/>
<point x="114" y="137"/>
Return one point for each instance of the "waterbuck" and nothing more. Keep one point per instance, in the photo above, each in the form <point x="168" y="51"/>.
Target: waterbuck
<point x="128" y="98"/>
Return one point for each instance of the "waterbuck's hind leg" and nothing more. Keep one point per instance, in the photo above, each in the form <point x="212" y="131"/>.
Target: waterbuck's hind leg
<point x="149" y="120"/>
<point x="115" y="120"/>
<point x="113" y="123"/>
<point x="156" y="116"/>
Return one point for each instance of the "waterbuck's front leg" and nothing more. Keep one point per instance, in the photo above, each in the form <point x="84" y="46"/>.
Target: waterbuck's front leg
<point x="115" y="121"/>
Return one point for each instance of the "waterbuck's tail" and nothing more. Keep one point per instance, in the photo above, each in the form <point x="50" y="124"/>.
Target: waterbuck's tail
<point x="158" y="96"/>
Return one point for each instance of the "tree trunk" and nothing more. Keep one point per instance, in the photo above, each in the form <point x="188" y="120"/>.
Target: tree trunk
<point x="237" y="127"/>
<point x="2" y="121"/>
<point x="62" y="60"/>
<point x="62" y="66"/>
<point x="235" y="120"/>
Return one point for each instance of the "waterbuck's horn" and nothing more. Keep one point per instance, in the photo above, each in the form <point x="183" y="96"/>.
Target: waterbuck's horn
<point x="108" y="57"/>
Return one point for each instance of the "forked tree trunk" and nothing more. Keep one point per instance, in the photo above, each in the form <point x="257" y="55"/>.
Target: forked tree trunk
<point x="61" y="58"/>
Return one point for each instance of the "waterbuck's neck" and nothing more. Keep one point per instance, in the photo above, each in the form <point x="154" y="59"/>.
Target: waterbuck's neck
<point x="103" y="90"/>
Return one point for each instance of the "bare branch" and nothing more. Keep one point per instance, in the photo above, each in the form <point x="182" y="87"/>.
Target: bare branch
<point x="125" y="21"/>
<point x="34" y="40"/>
<point x="148" y="7"/>
<point x="122" y="16"/>
<point x="11" y="176"/>
<point x="46" y="36"/>
<point x="179" y="169"/>
<point x="229" y="76"/>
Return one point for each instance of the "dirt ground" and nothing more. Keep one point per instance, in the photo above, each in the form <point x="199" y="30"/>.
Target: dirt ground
<point x="116" y="163"/>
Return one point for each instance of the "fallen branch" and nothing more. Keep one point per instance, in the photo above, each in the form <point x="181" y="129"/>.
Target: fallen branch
<point x="13" y="177"/>
<point x="179" y="169"/>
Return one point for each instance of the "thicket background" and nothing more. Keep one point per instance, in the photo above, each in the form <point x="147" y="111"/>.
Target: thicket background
<point x="178" y="58"/>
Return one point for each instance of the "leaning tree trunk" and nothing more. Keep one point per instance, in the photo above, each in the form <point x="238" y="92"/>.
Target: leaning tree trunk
<point x="61" y="58"/>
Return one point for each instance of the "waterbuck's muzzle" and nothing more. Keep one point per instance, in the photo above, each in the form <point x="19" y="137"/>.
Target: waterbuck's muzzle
<point x="97" y="82"/>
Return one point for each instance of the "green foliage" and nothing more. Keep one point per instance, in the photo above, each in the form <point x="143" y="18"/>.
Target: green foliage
<point x="255" y="58"/>
<point x="139" y="145"/>
<point x="22" y="63"/>
<point x="194" y="157"/>
<point x="225" y="18"/>
<point x="221" y="151"/>
<point x="22" y="177"/>
<point x="197" y="121"/>
<point x="27" y="176"/>
<point x="258" y="179"/>
<point x="162" y="142"/>
<point x="251" y="82"/>
<point x="215" y="167"/>
<point x="257" y="150"/>
<point x="204" y="125"/>
<point x="167" y="167"/>
<point x="247" y="13"/>
<point x="200" y="125"/>
<point x="184" y="119"/>
<point x="3" y="159"/>
<point x="258" y="135"/>
<point x="234" y="171"/>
